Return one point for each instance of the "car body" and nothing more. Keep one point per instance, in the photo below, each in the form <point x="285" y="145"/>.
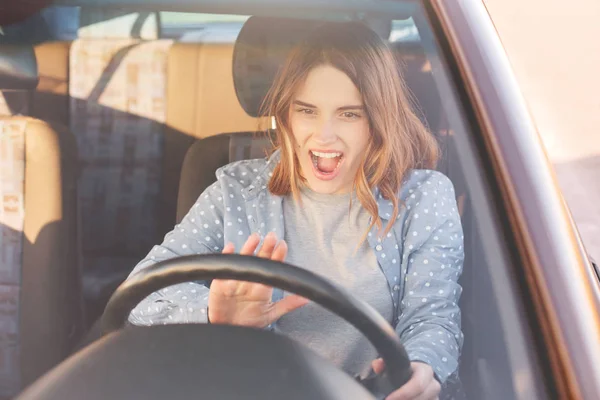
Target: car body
<point x="529" y="276"/>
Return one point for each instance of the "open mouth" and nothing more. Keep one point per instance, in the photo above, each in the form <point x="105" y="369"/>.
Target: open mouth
<point x="326" y="164"/>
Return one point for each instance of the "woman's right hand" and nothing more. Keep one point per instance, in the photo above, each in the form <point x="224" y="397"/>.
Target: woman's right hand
<point x="246" y="303"/>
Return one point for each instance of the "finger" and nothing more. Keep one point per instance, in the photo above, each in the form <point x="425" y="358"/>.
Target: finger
<point x="416" y="385"/>
<point x="280" y="252"/>
<point x="378" y="365"/>
<point x="268" y="245"/>
<point x="248" y="249"/>
<point x="250" y="245"/>
<point x="226" y="283"/>
<point x="229" y="248"/>
<point x="286" y="305"/>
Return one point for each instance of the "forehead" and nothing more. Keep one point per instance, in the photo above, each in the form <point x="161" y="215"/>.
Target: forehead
<point x="326" y="86"/>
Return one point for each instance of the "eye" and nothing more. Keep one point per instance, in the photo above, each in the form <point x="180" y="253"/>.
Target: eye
<point x="306" y="111"/>
<point x="350" y="115"/>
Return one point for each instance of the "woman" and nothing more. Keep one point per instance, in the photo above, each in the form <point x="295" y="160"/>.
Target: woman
<point x="344" y="191"/>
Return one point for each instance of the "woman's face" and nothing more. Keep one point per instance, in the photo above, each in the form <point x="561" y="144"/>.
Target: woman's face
<point x="331" y="129"/>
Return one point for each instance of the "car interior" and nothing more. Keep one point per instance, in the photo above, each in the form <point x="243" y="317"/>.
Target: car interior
<point x="109" y="138"/>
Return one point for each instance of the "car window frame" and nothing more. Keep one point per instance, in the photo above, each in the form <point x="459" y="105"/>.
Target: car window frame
<point x="496" y="109"/>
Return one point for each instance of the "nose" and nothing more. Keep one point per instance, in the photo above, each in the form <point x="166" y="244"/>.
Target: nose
<point x="325" y="132"/>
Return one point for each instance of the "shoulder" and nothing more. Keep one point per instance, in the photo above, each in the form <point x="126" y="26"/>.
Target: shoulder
<point x="247" y="173"/>
<point x="430" y="214"/>
<point x="244" y="177"/>
<point x="421" y="189"/>
<point x="237" y="182"/>
<point x="427" y="199"/>
<point x="423" y="185"/>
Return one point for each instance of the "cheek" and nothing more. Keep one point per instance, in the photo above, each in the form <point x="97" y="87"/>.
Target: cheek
<point x="357" y="137"/>
<point x="301" y="130"/>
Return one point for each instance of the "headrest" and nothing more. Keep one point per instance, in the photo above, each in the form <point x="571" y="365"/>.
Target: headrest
<point x="18" y="67"/>
<point x="98" y="23"/>
<point x="260" y="49"/>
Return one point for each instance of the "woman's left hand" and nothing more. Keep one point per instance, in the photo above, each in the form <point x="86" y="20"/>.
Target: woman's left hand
<point x="421" y="386"/>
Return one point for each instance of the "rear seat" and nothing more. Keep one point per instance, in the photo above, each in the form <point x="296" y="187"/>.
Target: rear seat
<point x="117" y="110"/>
<point x="50" y="101"/>
<point x="201" y="102"/>
<point x="136" y="104"/>
<point x="40" y="291"/>
<point x="200" y="95"/>
<point x="14" y="102"/>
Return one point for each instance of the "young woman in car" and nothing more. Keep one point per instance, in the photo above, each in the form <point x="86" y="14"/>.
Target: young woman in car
<point x="344" y="195"/>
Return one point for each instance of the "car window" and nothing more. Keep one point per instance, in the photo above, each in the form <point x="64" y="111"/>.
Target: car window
<point x="404" y="30"/>
<point x="49" y="24"/>
<point x="195" y="27"/>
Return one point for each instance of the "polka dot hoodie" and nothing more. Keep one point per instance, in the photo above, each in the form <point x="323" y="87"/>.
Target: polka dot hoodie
<point x="421" y="257"/>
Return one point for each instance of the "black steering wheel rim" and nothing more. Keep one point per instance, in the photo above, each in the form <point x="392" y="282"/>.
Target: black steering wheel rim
<point x="277" y="274"/>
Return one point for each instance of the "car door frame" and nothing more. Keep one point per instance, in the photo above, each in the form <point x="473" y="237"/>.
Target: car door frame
<point x="557" y="282"/>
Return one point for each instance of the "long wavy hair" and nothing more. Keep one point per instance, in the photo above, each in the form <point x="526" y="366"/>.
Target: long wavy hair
<point x="398" y="141"/>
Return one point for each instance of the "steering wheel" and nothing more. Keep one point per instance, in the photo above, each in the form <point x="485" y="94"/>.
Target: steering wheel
<point x="235" y="267"/>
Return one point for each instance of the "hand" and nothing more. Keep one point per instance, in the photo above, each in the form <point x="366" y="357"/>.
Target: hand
<point x="246" y="303"/>
<point x="421" y="386"/>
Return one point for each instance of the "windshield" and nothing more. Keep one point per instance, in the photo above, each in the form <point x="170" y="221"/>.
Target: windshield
<point x="146" y="94"/>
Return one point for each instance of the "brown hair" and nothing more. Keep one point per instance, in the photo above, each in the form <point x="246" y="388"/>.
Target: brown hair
<point x="398" y="140"/>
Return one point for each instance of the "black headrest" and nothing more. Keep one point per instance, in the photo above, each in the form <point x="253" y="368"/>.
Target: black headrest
<point x="260" y="49"/>
<point x="18" y="67"/>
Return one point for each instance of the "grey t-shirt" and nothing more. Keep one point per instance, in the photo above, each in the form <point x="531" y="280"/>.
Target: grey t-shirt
<point x="322" y="234"/>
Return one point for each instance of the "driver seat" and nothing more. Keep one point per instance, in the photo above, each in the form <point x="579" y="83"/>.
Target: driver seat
<point x="41" y="314"/>
<point x="261" y="47"/>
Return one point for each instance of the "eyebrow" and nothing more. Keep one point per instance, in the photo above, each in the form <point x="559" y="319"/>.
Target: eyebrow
<point x="343" y="108"/>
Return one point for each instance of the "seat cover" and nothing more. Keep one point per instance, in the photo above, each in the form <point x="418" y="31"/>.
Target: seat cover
<point x="18" y="74"/>
<point x="12" y="216"/>
<point x="117" y="112"/>
<point x="40" y="297"/>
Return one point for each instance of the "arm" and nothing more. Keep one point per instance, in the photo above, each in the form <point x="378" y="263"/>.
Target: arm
<point x="429" y="324"/>
<point x="200" y="232"/>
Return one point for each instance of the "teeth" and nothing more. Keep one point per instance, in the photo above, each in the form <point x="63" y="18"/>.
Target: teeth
<point x="326" y="155"/>
<point x="315" y="157"/>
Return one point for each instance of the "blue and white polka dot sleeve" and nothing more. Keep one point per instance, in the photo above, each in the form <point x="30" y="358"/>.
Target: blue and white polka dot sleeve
<point x="200" y="232"/>
<point x="429" y="322"/>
